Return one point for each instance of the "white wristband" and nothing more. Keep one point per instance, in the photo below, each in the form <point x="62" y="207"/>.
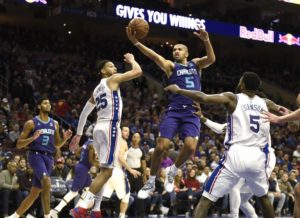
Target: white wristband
<point x="136" y="44"/>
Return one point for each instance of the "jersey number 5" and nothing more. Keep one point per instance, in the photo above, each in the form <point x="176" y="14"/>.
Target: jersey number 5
<point x="189" y="82"/>
<point x="101" y="101"/>
<point x="254" y="124"/>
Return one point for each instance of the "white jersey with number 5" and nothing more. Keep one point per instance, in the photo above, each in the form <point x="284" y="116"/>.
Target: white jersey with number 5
<point x="109" y="103"/>
<point x="244" y="125"/>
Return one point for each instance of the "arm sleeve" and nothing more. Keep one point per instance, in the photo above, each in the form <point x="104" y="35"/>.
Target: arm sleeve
<point x="88" y="108"/>
<point x="216" y="127"/>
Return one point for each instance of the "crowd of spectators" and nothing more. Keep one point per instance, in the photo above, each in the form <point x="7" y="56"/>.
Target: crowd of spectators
<point x="40" y="63"/>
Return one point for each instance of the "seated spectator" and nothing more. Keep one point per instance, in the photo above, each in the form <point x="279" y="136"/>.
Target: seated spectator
<point x="204" y="176"/>
<point x="286" y="188"/>
<point x="296" y="153"/>
<point x="275" y="193"/>
<point x="22" y="167"/>
<point x="293" y="178"/>
<point x="14" y="134"/>
<point x="9" y="187"/>
<point x="60" y="170"/>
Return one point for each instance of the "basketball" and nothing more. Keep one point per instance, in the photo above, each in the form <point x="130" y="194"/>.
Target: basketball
<point x="140" y="26"/>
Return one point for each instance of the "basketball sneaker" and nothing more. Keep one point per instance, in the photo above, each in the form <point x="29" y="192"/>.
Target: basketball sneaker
<point x="146" y="190"/>
<point x="79" y="212"/>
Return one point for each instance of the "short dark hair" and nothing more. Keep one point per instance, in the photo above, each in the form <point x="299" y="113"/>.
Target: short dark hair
<point x="101" y="63"/>
<point x="252" y="81"/>
<point x="40" y="100"/>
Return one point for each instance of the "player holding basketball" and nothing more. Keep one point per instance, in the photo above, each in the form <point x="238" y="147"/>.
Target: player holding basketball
<point x="293" y="116"/>
<point x="246" y="142"/>
<point x="41" y="136"/>
<point x="107" y="134"/>
<point x="82" y="178"/>
<point x="179" y="116"/>
<point x="118" y="182"/>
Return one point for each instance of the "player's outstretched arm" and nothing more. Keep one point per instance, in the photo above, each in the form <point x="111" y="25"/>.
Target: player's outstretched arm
<point x="165" y="65"/>
<point x="135" y="72"/>
<point x="88" y="108"/>
<point x="226" y="98"/>
<point x="293" y="116"/>
<point x="214" y="126"/>
<point x="59" y="142"/>
<point x="24" y="139"/>
<point x="210" y="57"/>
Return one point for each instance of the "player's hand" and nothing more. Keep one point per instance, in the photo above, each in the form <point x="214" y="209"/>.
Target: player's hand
<point x="36" y="134"/>
<point x="298" y="101"/>
<point x="67" y="134"/>
<point x="74" y="143"/>
<point x="131" y="35"/>
<point x="135" y="173"/>
<point x="172" y="88"/>
<point x="128" y="58"/>
<point x="202" y="34"/>
<point x="269" y="117"/>
<point x="283" y="110"/>
<point x="198" y="112"/>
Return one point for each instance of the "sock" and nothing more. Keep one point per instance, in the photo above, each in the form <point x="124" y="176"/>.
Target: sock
<point x="15" y="215"/>
<point x="86" y="200"/>
<point x="152" y="179"/>
<point x="173" y="169"/>
<point x="122" y="215"/>
<point x="47" y="216"/>
<point x="66" y="199"/>
<point x="98" y="200"/>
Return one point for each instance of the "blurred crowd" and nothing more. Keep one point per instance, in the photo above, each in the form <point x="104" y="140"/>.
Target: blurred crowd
<point x="41" y="63"/>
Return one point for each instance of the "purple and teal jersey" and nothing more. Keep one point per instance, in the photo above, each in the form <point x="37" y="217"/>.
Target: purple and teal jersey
<point x="186" y="77"/>
<point x="84" y="155"/>
<point x="45" y="142"/>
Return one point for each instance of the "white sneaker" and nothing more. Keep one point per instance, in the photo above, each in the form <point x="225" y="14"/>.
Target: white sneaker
<point x="146" y="190"/>
<point x="169" y="182"/>
<point x="53" y="213"/>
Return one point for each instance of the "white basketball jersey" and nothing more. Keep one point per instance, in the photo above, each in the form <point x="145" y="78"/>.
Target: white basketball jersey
<point x="109" y="103"/>
<point x="244" y="125"/>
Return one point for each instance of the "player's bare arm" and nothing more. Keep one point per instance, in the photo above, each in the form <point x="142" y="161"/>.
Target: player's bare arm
<point x="88" y="108"/>
<point x="59" y="142"/>
<point x="226" y="98"/>
<point x="136" y="71"/>
<point x="24" y="139"/>
<point x="210" y="57"/>
<point x="166" y="65"/>
<point x="123" y="149"/>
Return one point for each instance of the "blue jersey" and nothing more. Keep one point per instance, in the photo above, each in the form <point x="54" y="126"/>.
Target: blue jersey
<point x="84" y="155"/>
<point x="186" y="77"/>
<point x="45" y="142"/>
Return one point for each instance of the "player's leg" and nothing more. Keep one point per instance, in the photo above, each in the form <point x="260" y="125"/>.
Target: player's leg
<point x="221" y="181"/>
<point x="189" y="131"/>
<point x="246" y="207"/>
<point x="124" y="205"/>
<point x="235" y="198"/>
<point x="167" y="130"/>
<point x="297" y="201"/>
<point x="27" y="202"/>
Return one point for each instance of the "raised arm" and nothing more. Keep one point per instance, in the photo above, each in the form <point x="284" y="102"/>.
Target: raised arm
<point x="210" y="57"/>
<point x="164" y="64"/>
<point x="226" y="98"/>
<point x="88" y="108"/>
<point x="135" y="72"/>
<point x="24" y="139"/>
<point x="59" y="142"/>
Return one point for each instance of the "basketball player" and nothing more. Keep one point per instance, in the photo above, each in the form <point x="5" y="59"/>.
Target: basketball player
<point x="240" y="193"/>
<point x="41" y="136"/>
<point x="118" y="181"/>
<point x="246" y="142"/>
<point x="293" y="116"/>
<point x="179" y="116"/>
<point x="82" y="177"/>
<point x="107" y="134"/>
